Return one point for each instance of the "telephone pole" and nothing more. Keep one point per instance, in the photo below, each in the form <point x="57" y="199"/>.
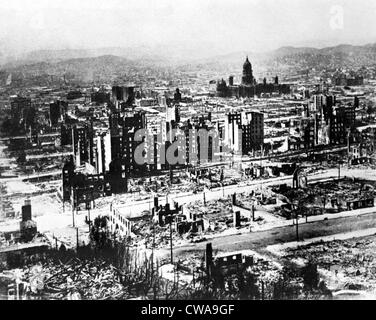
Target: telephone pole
<point x="73" y="216"/>
<point x="297" y="223"/>
<point x="153" y="248"/>
<point x="168" y="213"/>
<point x="172" y="259"/>
<point x="73" y="204"/>
<point x="89" y="207"/>
<point x="348" y="148"/>
<point x="77" y="238"/>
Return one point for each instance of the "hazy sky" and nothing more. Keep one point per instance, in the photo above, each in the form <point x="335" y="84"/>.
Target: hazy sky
<point x="217" y="25"/>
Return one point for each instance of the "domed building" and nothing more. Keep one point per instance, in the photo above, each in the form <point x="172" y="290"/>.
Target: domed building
<point x="249" y="87"/>
<point x="247" y="78"/>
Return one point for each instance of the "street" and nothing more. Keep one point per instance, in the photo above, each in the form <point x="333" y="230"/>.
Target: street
<point x="261" y="239"/>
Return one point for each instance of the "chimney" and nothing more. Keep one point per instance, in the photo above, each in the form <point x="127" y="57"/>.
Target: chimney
<point x="234" y="198"/>
<point x="236" y="218"/>
<point x="26" y="211"/>
<point x="209" y="259"/>
<point x="156" y="203"/>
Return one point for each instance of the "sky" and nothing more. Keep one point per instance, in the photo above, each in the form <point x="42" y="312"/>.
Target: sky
<point x="204" y="25"/>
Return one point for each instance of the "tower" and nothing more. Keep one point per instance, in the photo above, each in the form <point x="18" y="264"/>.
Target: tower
<point x="247" y="78"/>
<point x="177" y="96"/>
<point x="231" y="81"/>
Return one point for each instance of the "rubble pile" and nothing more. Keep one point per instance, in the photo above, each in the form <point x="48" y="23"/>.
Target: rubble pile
<point x="76" y="280"/>
<point x="246" y="200"/>
<point x="218" y="211"/>
<point x="327" y="197"/>
<point x="355" y="259"/>
<point x="346" y="189"/>
<point x="267" y="274"/>
<point x="153" y="235"/>
<point x="163" y="185"/>
<point x="347" y="186"/>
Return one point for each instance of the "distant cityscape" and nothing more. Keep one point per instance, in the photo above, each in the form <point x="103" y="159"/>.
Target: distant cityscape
<point x="286" y="150"/>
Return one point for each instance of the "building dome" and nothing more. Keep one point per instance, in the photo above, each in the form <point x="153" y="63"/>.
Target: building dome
<point x="247" y="78"/>
<point x="247" y="64"/>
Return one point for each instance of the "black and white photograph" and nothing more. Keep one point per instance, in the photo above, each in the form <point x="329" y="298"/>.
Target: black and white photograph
<point x="187" y="150"/>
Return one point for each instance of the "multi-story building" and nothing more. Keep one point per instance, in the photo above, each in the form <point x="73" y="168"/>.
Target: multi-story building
<point x="83" y="142"/>
<point x="102" y="152"/>
<point x="57" y="112"/>
<point x="306" y="136"/>
<point x="348" y="80"/>
<point x="18" y="106"/>
<point x="100" y="97"/>
<point x="123" y="128"/>
<point x="322" y="105"/>
<point x="342" y="122"/>
<point x="244" y="132"/>
<point x="249" y="87"/>
<point x="79" y="187"/>
<point x="123" y="96"/>
<point x="65" y="134"/>
<point x="68" y="174"/>
<point x="23" y="113"/>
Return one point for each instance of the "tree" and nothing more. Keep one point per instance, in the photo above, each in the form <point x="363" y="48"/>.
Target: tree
<point x="99" y="232"/>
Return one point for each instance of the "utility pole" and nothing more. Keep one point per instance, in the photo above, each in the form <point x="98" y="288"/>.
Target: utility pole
<point x="89" y="217"/>
<point x="348" y="148"/>
<point x="170" y="214"/>
<point x="73" y="204"/>
<point x="297" y="223"/>
<point x="297" y="228"/>
<point x="77" y="238"/>
<point x="152" y="253"/>
<point x="172" y="259"/>
<point x="73" y="216"/>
